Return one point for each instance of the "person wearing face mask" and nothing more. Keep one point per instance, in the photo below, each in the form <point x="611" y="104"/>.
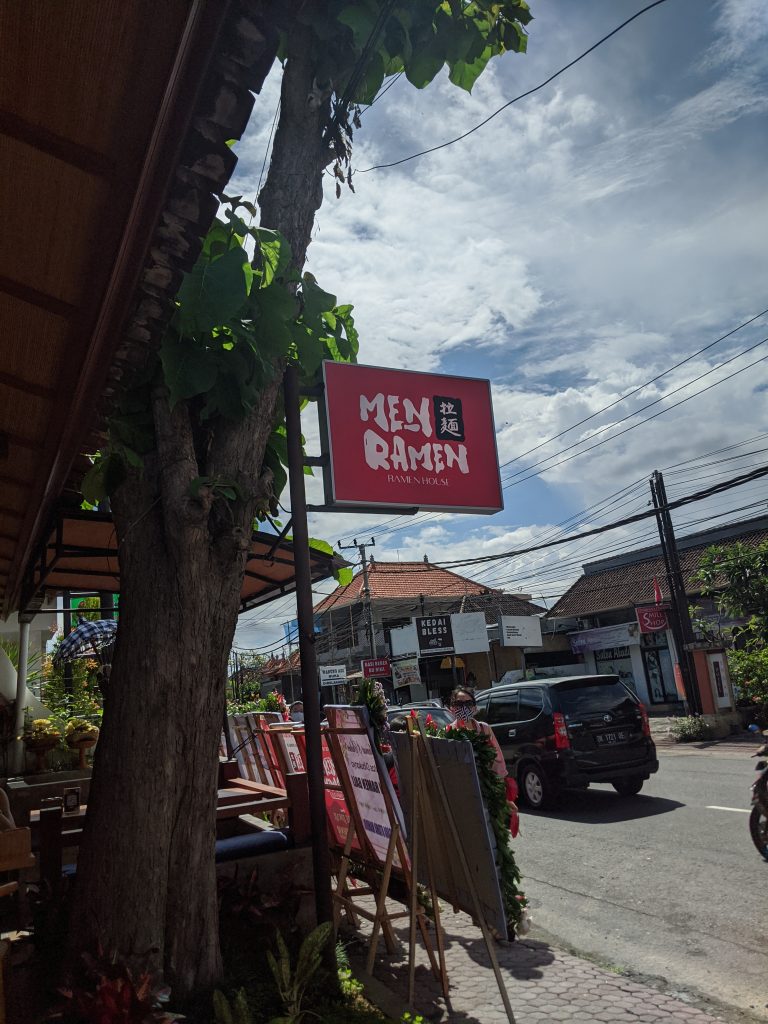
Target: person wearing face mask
<point x="463" y="707"/>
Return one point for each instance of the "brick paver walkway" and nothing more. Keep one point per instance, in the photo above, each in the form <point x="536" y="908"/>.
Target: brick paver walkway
<point x="545" y="985"/>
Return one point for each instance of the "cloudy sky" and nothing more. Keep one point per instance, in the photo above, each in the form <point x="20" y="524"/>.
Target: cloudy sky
<point x="581" y="244"/>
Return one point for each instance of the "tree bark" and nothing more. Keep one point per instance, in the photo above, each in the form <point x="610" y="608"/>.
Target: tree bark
<point x="146" y="872"/>
<point x="146" y="869"/>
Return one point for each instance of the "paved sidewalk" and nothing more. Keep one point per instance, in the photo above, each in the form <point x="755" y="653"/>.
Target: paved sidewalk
<point x="545" y="985"/>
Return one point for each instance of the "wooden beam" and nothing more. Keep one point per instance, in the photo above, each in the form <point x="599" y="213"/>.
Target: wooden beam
<point x="27" y="386"/>
<point x="73" y="153"/>
<point x="34" y="297"/>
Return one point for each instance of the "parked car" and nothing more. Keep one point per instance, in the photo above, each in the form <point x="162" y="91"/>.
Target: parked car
<point x="564" y="733"/>
<point x="440" y="715"/>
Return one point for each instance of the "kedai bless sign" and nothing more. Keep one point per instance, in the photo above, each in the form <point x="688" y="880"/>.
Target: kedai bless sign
<point x="401" y="439"/>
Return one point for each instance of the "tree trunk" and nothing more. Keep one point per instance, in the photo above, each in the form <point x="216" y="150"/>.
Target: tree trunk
<point x="146" y="870"/>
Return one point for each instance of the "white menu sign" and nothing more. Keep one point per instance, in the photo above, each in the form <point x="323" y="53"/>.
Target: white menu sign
<point x="520" y="631"/>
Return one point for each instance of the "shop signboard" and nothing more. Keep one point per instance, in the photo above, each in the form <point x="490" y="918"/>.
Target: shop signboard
<point x="434" y="634"/>
<point x="520" y="631"/>
<point x="333" y="675"/>
<point x="470" y="633"/>
<point x="604" y="636"/>
<point x="651" y="618"/>
<point x="406" y="673"/>
<point x="375" y="668"/>
<point x="401" y="439"/>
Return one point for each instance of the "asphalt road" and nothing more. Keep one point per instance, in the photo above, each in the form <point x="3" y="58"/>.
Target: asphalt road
<point x="666" y="884"/>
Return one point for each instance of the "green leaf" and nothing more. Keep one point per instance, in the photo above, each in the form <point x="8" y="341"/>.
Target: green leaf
<point x="275" y="253"/>
<point x="274" y="309"/>
<point x="343" y="575"/>
<point x="465" y="75"/>
<point x="188" y="368"/>
<point x="361" y="19"/>
<point x="315" y="301"/>
<point x="320" y="545"/>
<point x="424" y="63"/>
<point x="213" y="292"/>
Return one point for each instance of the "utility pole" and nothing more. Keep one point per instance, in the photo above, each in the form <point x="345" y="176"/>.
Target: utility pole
<point x="682" y="630"/>
<point x="366" y="590"/>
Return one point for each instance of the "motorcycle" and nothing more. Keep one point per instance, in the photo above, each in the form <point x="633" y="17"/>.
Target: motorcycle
<point x="758" y="817"/>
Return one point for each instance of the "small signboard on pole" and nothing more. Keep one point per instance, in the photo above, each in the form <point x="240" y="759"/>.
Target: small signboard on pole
<point x="652" y="618"/>
<point x="406" y="673"/>
<point x="434" y="634"/>
<point x="375" y="668"/>
<point x="333" y="675"/>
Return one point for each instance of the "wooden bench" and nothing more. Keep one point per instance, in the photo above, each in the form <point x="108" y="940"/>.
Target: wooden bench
<point x="239" y="807"/>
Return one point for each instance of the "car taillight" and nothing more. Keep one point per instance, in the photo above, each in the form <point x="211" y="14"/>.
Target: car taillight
<point x="646" y="722"/>
<point x="562" y="739"/>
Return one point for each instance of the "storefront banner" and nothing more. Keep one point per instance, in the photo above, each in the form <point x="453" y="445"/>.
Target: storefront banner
<point x="333" y="675"/>
<point x="651" y="619"/>
<point x="401" y="439"/>
<point x="406" y="673"/>
<point x="520" y="631"/>
<point x="375" y="668"/>
<point x="434" y="634"/>
<point x="605" y="636"/>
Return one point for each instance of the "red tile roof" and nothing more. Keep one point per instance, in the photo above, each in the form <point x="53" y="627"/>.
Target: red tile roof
<point x="628" y="581"/>
<point x="411" y="580"/>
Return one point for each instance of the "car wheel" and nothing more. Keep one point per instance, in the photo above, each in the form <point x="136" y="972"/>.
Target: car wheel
<point x="630" y="786"/>
<point x="534" y="786"/>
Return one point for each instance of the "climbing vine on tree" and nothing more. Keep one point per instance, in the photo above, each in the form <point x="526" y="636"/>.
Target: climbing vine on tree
<point x="241" y="315"/>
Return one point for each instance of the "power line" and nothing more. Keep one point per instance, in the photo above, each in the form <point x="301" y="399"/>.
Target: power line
<point x="512" y="482"/>
<point x="634" y="391"/>
<point x="522" y="96"/>
<point x="679" y="502"/>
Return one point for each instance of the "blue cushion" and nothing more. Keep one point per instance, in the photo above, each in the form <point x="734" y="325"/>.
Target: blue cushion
<point x="235" y="848"/>
<point x="251" y="845"/>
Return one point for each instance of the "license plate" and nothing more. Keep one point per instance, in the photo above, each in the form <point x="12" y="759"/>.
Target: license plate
<point x="605" y="738"/>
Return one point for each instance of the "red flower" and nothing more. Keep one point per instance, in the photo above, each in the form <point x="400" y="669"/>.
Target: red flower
<point x="414" y="713"/>
<point x="429" y="721"/>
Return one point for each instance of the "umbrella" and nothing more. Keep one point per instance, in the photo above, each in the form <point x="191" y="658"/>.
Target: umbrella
<point x="86" y="641"/>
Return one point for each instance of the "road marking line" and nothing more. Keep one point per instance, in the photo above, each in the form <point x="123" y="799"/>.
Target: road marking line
<point x="738" y="810"/>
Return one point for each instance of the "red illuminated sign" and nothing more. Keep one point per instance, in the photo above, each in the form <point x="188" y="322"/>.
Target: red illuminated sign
<point x="651" y="619"/>
<point x="402" y="439"/>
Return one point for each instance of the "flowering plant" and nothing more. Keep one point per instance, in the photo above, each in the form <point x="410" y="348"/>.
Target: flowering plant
<point x="40" y="729"/>
<point x="79" y="729"/>
<point x="371" y="694"/>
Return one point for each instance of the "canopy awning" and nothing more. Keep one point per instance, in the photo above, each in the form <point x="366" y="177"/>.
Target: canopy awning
<point x="113" y="144"/>
<point x="81" y="554"/>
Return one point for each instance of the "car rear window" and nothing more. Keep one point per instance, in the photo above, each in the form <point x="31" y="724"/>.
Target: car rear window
<point x="581" y="698"/>
<point x="441" y="716"/>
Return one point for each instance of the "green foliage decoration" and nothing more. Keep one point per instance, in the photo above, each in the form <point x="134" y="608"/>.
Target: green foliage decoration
<point x="495" y="797"/>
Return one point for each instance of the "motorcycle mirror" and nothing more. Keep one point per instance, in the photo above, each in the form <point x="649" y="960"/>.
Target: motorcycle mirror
<point x="760" y="765"/>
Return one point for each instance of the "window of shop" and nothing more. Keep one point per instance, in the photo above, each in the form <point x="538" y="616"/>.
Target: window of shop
<point x="659" y="670"/>
<point x="616" y="661"/>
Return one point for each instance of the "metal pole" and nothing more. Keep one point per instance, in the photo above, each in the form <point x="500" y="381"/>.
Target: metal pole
<point x="321" y="860"/>
<point x="17" y="759"/>
<point x="682" y="630"/>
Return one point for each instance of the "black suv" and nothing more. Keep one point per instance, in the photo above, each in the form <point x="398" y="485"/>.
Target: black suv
<point x="567" y="732"/>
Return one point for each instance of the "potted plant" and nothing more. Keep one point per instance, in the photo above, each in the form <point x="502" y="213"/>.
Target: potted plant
<point x="41" y="736"/>
<point x="80" y="735"/>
